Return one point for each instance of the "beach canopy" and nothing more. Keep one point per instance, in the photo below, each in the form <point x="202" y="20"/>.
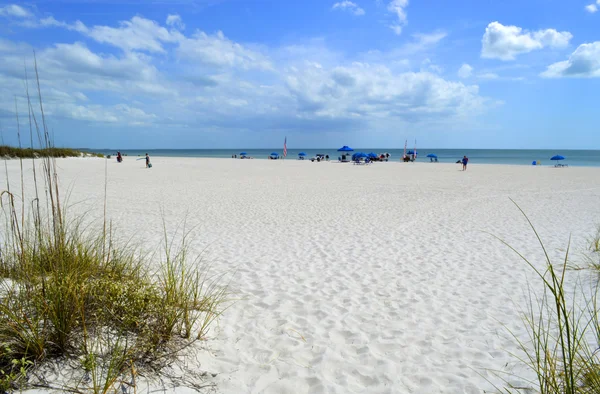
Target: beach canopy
<point x="345" y="148"/>
<point x="243" y="154"/>
<point x="274" y="154"/>
<point x="557" y="157"/>
<point x="301" y="154"/>
<point x="432" y="155"/>
<point x="411" y="152"/>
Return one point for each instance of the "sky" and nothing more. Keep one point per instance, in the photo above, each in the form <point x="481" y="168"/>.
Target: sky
<point x="209" y="74"/>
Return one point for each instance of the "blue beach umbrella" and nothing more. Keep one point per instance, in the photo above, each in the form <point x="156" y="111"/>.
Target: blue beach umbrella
<point x="557" y="157"/>
<point x="301" y="154"/>
<point x="432" y="155"/>
<point x="411" y="152"/>
<point x="274" y="154"/>
<point x="359" y="155"/>
<point x="345" y="148"/>
<point x="243" y="154"/>
<point x="372" y="155"/>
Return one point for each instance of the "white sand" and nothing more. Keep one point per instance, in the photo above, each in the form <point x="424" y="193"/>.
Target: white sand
<point x="352" y="279"/>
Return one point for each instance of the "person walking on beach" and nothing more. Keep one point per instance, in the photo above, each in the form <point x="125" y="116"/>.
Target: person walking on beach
<point x="465" y="160"/>
<point x="148" y="165"/>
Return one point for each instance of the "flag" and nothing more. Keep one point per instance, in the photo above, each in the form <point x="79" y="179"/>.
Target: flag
<point x="405" y="143"/>
<point x="285" y="147"/>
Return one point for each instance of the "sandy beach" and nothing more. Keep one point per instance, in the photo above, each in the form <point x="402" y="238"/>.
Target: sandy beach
<point x="350" y="279"/>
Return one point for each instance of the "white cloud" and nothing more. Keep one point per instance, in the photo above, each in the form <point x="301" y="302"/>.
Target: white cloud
<point x="583" y="63"/>
<point x="592" y="8"/>
<point x="348" y="6"/>
<point x="163" y="77"/>
<point x="14" y="10"/>
<point x="175" y="21"/>
<point x="506" y="42"/>
<point x="137" y="34"/>
<point x="364" y="90"/>
<point x="397" y="7"/>
<point x="465" y="71"/>
<point x="488" y="76"/>
<point x="218" y="50"/>
<point x="424" y="41"/>
<point x="119" y="113"/>
<point x="51" y="22"/>
<point x="140" y="34"/>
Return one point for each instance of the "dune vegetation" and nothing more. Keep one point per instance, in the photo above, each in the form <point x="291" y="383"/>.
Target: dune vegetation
<point x="562" y="350"/>
<point x="79" y="298"/>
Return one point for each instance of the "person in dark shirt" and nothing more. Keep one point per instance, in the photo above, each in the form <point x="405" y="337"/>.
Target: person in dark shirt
<point x="148" y="165"/>
<point x="465" y="161"/>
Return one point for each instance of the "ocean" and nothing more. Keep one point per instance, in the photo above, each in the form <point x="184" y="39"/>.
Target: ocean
<point x="589" y="158"/>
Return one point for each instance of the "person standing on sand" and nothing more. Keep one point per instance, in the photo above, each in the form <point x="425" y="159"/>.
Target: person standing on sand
<point x="465" y="160"/>
<point x="148" y="165"/>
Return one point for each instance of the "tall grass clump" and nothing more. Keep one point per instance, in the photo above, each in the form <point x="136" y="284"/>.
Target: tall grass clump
<point x="562" y="350"/>
<point x="67" y="294"/>
<point x="30" y="153"/>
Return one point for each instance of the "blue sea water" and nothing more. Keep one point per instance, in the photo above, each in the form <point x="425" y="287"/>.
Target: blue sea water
<point x="589" y="158"/>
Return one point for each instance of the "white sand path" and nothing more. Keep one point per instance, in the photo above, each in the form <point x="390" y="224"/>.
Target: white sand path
<point x="351" y="279"/>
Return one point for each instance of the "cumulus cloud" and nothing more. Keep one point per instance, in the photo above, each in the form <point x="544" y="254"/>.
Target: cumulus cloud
<point x="398" y="8"/>
<point x="220" y="84"/>
<point x="365" y="90"/>
<point x="14" y="10"/>
<point x="348" y="6"/>
<point x="465" y="71"/>
<point x="583" y="63"/>
<point x="506" y="42"/>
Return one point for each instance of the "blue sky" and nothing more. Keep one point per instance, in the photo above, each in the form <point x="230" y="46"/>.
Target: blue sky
<point x="246" y="74"/>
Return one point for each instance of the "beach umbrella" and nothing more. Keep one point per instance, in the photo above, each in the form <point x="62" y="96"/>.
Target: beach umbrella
<point x="411" y="152"/>
<point x="301" y="154"/>
<point x="373" y="155"/>
<point x="345" y="148"/>
<point x="432" y="155"/>
<point x="243" y="154"/>
<point x="274" y="154"/>
<point x="557" y="157"/>
<point x="359" y="155"/>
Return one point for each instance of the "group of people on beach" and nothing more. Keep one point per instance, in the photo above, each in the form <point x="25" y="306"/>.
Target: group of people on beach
<point x="120" y="159"/>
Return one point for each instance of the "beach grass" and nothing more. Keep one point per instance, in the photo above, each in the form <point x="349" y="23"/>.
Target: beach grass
<point x="562" y="349"/>
<point x="30" y="153"/>
<point x="594" y="248"/>
<point x="68" y="292"/>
